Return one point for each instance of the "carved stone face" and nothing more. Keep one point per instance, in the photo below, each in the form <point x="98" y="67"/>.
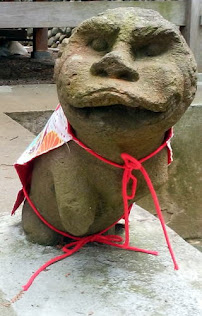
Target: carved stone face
<point x="126" y="73"/>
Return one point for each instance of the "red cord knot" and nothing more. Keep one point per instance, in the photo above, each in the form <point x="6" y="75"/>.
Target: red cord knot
<point x="130" y="162"/>
<point x="105" y="239"/>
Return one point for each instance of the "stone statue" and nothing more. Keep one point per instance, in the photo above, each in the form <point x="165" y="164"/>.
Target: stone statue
<point x="124" y="78"/>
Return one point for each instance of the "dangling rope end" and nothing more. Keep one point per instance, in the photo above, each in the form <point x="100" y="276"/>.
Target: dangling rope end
<point x="176" y="266"/>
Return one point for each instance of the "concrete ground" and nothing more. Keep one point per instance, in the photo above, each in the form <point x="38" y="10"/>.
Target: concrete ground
<point x="98" y="280"/>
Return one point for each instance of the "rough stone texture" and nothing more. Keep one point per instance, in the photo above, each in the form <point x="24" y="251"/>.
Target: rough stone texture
<point x="123" y="79"/>
<point x="101" y="280"/>
<point x="180" y="197"/>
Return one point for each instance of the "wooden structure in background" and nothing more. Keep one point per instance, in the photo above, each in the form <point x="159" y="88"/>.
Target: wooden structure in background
<point x="40" y="15"/>
<point x="40" y="41"/>
<point x="13" y="34"/>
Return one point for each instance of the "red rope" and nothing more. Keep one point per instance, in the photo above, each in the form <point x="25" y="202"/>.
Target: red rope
<point x="130" y="164"/>
<point x="69" y="249"/>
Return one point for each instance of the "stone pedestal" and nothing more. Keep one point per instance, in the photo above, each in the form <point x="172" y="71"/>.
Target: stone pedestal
<point x="101" y="280"/>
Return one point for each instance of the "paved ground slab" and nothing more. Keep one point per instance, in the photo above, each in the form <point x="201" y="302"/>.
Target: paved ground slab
<point x="101" y="280"/>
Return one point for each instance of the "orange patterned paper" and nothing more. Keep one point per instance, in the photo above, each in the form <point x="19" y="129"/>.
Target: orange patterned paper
<point x="51" y="140"/>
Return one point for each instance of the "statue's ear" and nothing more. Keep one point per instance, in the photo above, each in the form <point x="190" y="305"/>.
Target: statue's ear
<point x="59" y="59"/>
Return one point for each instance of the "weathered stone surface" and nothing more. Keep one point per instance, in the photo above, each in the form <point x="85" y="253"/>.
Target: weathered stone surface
<point x="180" y="197"/>
<point x="124" y="78"/>
<point x="101" y="280"/>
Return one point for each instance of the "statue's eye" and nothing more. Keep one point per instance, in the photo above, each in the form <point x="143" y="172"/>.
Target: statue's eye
<point x="151" y="49"/>
<point x="99" y="44"/>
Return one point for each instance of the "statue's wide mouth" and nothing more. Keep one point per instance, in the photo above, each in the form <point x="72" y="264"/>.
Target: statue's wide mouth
<point x="119" y="109"/>
<point x="118" y="114"/>
<point x="104" y="100"/>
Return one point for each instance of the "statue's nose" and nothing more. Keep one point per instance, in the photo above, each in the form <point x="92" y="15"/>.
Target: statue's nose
<point x="114" y="65"/>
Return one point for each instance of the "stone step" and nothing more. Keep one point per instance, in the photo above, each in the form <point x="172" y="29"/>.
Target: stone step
<point x="101" y="280"/>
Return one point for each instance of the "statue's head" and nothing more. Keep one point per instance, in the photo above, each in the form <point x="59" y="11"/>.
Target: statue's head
<point x="127" y="71"/>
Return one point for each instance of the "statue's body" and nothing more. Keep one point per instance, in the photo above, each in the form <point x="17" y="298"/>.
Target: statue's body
<point x="124" y="78"/>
